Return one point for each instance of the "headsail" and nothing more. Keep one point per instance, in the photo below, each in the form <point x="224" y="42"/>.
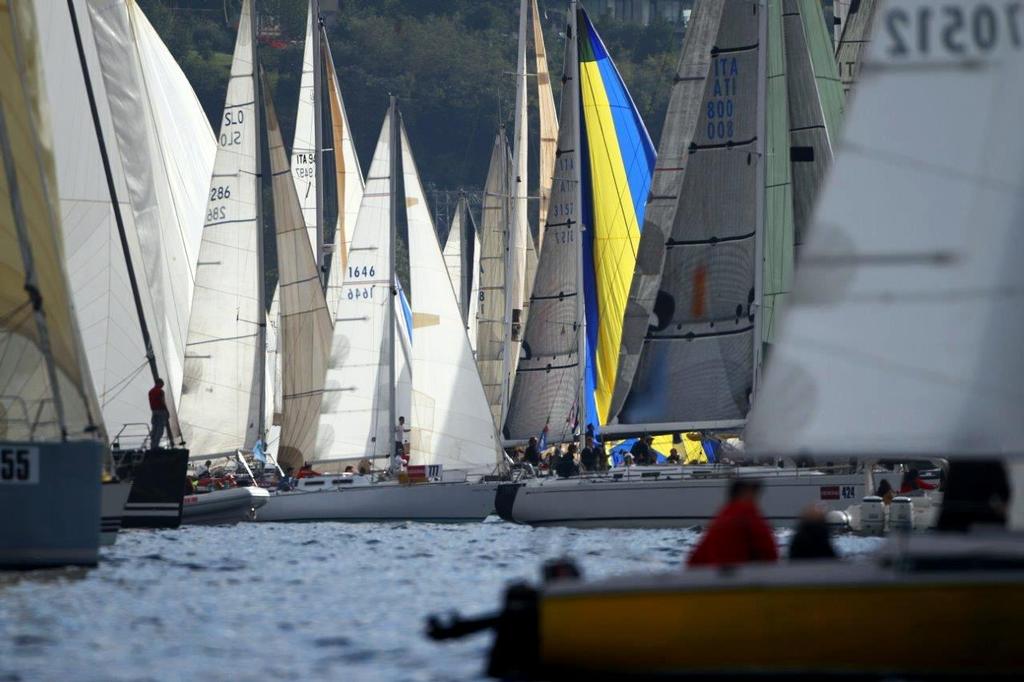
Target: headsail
<point x="305" y="333"/>
<point x="451" y="424"/>
<point x="491" y="322"/>
<point x="854" y="41"/>
<point x="43" y="378"/>
<point x="456" y="253"/>
<point x="304" y="152"/>
<point x="355" y="417"/>
<point x="548" y="118"/>
<point x="218" y="412"/>
<point x="901" y="336"/>
<point x="697" y="361"/>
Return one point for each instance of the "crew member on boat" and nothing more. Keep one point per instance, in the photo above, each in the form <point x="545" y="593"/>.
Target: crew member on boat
<point x="738" y="534"/>
<point x="532" y="454"/>
<point x="400" y="431"/>
<point x="912" y="481"/>
<point x="161" y="420"/>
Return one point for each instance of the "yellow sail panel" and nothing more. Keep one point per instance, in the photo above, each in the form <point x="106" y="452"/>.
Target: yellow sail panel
<point x="616" y="178"/>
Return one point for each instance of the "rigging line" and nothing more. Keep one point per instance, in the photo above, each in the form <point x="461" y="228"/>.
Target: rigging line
<point x="8" y="316"/>
<point x="124" y="383"/>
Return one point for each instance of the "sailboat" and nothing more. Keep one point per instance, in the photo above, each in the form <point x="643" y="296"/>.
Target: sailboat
<point x="222" y="409"/>
<point x="451" y="436"/>
<point x="462" y="258"/>
<point x="130" y="175"/>
<point x="51" y="451"/>
<point x="753" y="128"/>
<point x="508" y="264"/>
<point x="904" y="282"/>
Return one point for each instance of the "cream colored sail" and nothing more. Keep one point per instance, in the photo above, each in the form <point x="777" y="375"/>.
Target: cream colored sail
<point x="348" y="177"/>
<point x="491" y="325"/>
<point x="522" y="259"/>
<point x="450" y="423"/>
<point x="44" y="389"/>
<point x="167" y="230"/>
<point x="355" y="419"/>
<point x="548" y="117"/>
<point x="217" y="408"/>
<point x="305" y="333"/>
<point x="304" y="152"/>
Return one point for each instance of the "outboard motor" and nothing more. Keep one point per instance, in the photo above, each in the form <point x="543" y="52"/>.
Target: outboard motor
<point x="872" y="515"/>
<point x="901" y="515"/>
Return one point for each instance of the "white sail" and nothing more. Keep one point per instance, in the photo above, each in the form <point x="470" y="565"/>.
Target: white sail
<point x="217" y="407"/>
<point x="355" y="416"/>
<point x="348" y="178"/>
<point x="518" y="283"/>
<point x="95" y="259"/>
<point x="44" y="391"/>
<point x="548" y="119"/>
<point x="902" y="336"/>
<point x="472" y="310"/>
<point x="272" y="365"/>
<point x="491" y="325"/>
<point x="451" y="423"/>
<point x="304" y="152"/>
<point x="164" y="228"/>
<point x="453" y="257"/>
<point x="305" y="332"/>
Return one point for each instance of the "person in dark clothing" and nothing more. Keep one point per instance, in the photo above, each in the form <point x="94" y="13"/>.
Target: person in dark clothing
<point x="532" y="454"/>
<point x="812" y="539"/>
<point x="588" y="458"/>
<point x="885" y="491"/>
<point x="641" y="451"/>
<point x="977" y="492"/>
<point x="161" y="420"/>
<point x="565" y="466"/>
<point x="738" y="534"/>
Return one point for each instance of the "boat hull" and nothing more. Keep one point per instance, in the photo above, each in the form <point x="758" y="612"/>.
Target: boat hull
<point x="443" y="502"/>
<point x="158" y="486"/>
<point x="227" y="506"/>
<point x="602" y="502"/>
<point x="115" y="495"/>
<point x="50" y="501"/>
<point x="811" y="618"/>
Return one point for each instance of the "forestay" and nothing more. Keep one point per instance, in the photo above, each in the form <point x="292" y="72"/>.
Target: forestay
<point x="305" y="332"/>
<point x="221" y="390"/>
<point x="901" y="337"/>
<point x="450" y="423"/>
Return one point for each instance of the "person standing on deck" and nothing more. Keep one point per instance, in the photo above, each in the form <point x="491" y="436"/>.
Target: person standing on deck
<point x="738" y="534"/>
<point x="161" y="420"/>
<point x="400" y="431"/>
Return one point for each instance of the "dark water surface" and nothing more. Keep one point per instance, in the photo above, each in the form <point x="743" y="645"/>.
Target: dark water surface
<point x="316" y="601"/>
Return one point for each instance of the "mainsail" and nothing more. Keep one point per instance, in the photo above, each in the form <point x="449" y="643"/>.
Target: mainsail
<point x="491" y="320"/>
<point x="901" y="335"/>
<point x="854" y="39"/>
<point x="355" y="416"/>
<point x="451" y="424"/>
<point x="609" y="184"/>
<point x="348" y="179"/>
<point x="43" y="378"/>
<point x="458" y="253"/>
<point x="304" y="151"/>
<point x="548" y="118"/>
<point x="305" y="331"/>
<point x="221" y="392"/>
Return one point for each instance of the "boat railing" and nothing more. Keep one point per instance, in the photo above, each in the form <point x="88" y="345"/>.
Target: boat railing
<point x="15" y="400"/>
<point x="135" y="433"/>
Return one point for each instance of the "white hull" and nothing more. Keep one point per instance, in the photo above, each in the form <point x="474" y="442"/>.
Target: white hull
<point x="230" y="505"/>
<point x="115" y="494"/>
<point x="678" y="501"/>
<point x="389" y="501"/>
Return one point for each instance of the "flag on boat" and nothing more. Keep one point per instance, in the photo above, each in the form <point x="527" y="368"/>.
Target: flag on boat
<point x="542" y="442"/>
<point x="616" y="168"/>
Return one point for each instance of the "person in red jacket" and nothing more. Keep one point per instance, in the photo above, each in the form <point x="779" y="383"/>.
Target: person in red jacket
<point x="161" y="421"/>
<point x="912" y="481"/>
<point x="738" y="534"/>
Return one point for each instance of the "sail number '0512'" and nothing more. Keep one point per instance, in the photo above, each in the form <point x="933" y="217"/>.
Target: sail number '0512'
<point x="957" y="29"/>
<point x="19" y="465"/>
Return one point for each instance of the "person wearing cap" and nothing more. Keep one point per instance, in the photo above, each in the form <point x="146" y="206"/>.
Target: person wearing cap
<point x="738" y="534"/>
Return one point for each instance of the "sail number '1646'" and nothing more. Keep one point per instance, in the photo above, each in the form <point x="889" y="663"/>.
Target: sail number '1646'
<point x="19" y="465"/>
<point x="952" y="29"/>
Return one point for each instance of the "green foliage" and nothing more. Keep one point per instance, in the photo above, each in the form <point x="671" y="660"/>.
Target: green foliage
<point x="450" y="62"/>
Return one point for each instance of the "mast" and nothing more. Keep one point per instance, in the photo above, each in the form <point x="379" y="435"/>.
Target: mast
<point x="581" y="320"/>
<point x="393" y="228"/>
<point x="115" y="204"/>
<point x="762" y="94"/>
<point x="319" y="142"/>
<point x="261" y="317"/>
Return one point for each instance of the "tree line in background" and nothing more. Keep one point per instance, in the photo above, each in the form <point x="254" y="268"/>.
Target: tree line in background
<point x="450" y="62"/>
